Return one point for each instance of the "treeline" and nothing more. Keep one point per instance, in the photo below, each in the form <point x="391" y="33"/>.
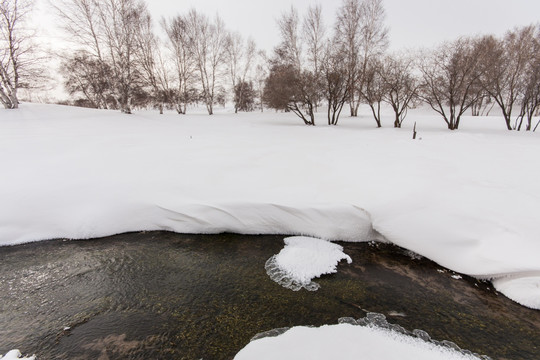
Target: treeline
<point x="120" y="62"/>
<point x="117" y="60"/>
<point x="348" y="65"/>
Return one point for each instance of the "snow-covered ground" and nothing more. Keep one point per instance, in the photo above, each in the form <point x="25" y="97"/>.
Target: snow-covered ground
<point x="468" y="199"/>
<point x="16" y="355"/>
<point x="345" y="342"/>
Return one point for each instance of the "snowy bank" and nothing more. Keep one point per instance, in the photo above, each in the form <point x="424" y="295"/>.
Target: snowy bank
<point x="16" y="355"/>
<point x="346" y="342"/>
<point x="466" y="199"/>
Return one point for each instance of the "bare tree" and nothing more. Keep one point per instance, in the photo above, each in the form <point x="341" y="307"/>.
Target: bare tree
<point x="234" y="50"/>
<point x="245" y="89"/>
<point x="363" y="36"/>
<point x="374" y="35"/>
<point x="16" y="63"/>
<point x="483" y="105"/>
<point x="180" y="44"/>
<point x="374" y="89"/>
<point x="244" y="96"/>
<point x="504" y="64"/>
<point x="80" y="19"/>
<point x="314" y="33"/>
<point x="240" y="57"/>
<point x="208" y="40"/>
<point x="260" y="77"/>
<point x="449" y="76"/>
<point x="289" y="85"/>
<point x="121" y="21"/>
<point x="530" y="98"/>
<point x="286" y="88"/>
<point x="85" y="75"/>
<point x="154" y="70"/>
<point x="336" y="81"/>
<point x="290" y="48"/>
<point x="348" y="26"/>
<point x="401" y="85"/>
<point x="108" y="31"/>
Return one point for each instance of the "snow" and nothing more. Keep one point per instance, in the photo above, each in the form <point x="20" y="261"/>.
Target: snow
<point x="466" y="199"/>
<point x="307" y="258"/>
<point x="521" y="288"/>
<point x="303" y="259"/>
<point x="16" y="355"/>
<point x="351" y="342"/>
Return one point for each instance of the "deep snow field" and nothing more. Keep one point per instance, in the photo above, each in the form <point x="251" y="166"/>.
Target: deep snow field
<point x="467" y="199"/>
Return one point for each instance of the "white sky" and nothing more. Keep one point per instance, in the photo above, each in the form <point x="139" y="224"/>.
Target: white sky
<point x="412" y="23"/>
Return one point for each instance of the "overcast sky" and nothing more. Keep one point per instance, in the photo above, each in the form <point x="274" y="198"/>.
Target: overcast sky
<point x="412" y="23"/>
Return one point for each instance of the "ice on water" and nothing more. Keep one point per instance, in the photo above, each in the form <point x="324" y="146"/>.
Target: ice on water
<point x="303" y="259"/>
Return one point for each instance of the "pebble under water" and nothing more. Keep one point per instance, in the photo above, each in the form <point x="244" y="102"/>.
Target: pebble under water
<point x="172" y="296"/>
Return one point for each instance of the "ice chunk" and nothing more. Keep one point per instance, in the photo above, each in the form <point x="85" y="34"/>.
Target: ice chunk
<point x="303" y="259"/>
<point x="16" y="355"/>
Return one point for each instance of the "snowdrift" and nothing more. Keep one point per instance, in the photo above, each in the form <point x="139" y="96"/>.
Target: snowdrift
<point x="346" y="342"/>
<point x="467" y="199"/>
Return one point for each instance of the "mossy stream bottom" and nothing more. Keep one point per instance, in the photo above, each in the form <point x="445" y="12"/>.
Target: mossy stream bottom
<point x="159" y="295"/>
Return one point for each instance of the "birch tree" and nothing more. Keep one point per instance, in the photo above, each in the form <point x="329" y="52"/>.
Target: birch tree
<point x="108" y="31"/>
<point x="363" y="37"/>
<point x="208" y="40"/>
<point x="15" y="51"/>
<point x="179" y="42"/>
<point x="121" y="21"/>
<point x="91" y="70"/>
<point x="348" y="25"/>
<point x="290" y="86"/>
<point x="240" y="56"/>
<point x="314" y="33"/>
<point x="154" y="70"/>
<point x="290" y="47"/>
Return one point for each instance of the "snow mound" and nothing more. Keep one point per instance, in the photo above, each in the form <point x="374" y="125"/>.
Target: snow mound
<point x="303" y="259"/>
<point x="335" y="221"/>
<point x="524" y="290"/>
<point x="467" y="200"/>
<point x="16" y="355"/>
<point x="346" y="342"/>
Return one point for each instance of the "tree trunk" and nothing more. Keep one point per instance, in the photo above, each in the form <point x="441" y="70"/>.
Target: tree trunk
<point x="397" y="122"/>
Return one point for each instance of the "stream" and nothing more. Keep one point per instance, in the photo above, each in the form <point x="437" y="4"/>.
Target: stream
<point x="153" y="295"/>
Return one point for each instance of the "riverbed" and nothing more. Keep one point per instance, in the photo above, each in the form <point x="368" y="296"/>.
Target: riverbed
<point x="173" y="296"/>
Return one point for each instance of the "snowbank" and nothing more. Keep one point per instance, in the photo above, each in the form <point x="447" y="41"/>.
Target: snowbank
<point x="303" y="259"/>
<point x="523" y="289"/>
<point x="467" y="199"/>
<point x="16" y="355"/>
<point x="346" y="342"/>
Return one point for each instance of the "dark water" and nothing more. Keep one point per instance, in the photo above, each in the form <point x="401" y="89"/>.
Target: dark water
<point x="160" y="295"/>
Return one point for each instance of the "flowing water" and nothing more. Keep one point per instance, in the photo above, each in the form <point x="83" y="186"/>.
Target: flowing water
<point x="160" y="295"/>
